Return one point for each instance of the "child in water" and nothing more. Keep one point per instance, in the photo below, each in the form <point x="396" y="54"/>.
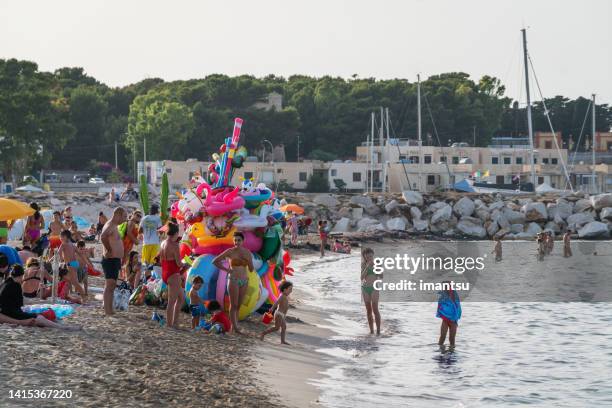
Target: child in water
<point x="282" y="306"/>
<point x="497" y="250"/>
<point x="195" y="302"/>
<point x="219" y="321"/>
<point x="449" y="310"/>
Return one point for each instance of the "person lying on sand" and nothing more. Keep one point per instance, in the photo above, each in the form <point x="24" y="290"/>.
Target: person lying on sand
<point x="11" y="302"/>
<point x="282" y="306"/>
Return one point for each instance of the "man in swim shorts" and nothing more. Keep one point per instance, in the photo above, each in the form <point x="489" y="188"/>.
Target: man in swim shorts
<point x="55" y="229"/>
<point x="111" y="256"/>
<point x="150" y="237"/>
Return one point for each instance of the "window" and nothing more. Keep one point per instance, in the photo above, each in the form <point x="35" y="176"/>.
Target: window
<point x="535" y="160"/>
<point x="334" y="172"/>
<point x="356" y="177"/>
<point x="431" y="179"/>
<point x="402" y="157"/>
<point x="554" y="160"/>
<point x="499" y="179"/>
<point x="548" y="144"/>
<point x="427" y="159"/>
<point x="494" y="160"/>
<point x="279" y="171"/>
<point x="540" y="180"/>
<point x="609" y="146"/>
<point x="303" y="176"/>
<point x="519" y="160"/>
<point x="455" y="159"/>
<point x="442" y="159"/>
<point x="414" y="159"/>
<point x="248" y="175"/>
<point x="545" y="160"/>
<point x="507" y="160"/>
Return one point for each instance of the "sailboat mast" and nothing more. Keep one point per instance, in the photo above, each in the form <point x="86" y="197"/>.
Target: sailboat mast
<point x="529" y="124"/>
<point x="419" y="128"/>
<point x="387" y="152"/>
<point x="371" y="147"/>
<point x="594" y="143"/>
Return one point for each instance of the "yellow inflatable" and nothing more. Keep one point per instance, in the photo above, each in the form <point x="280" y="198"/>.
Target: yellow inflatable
<point x="211" y="240"/>
<point x="249" y="303"/>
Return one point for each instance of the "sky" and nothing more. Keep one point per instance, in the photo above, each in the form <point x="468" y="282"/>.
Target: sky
<point x="124" y="41"/>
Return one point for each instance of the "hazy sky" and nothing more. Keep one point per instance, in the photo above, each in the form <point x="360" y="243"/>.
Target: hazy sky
<point x="121" y="42"/>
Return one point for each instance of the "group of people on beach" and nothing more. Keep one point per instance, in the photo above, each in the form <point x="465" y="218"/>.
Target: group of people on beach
<point x="546" y="244"/>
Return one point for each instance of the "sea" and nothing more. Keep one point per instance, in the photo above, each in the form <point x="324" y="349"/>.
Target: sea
<point x="523" y="345"/>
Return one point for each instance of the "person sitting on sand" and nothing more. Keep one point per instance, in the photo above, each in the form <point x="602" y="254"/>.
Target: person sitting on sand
<point x="67" y="252"/>
<point x="497" y="249"/>
<point x="567" y="248"/>
<point x="219" y="321"/>
<point x="11" y="302"/>
<point x="133" y="270"/>
<point x="449" y="310"/>
<point x="170" y="259"/>
<point x="32" y="285"/>
<point x="196" y="306"/>
<point x="55" y="229"/>
<point x="369" y="294"/>
<point x="280" y="309"/>
<point x="83" y="256"/>
<point x="64" y="286"/>
<point x="240" y="261"/>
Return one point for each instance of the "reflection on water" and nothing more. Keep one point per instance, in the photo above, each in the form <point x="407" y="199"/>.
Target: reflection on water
<point x="507" y="354"/>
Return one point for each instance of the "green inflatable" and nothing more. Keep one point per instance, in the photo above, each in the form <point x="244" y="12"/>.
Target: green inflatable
<point x="271" y="242"/>
<point x="144" y="194"/>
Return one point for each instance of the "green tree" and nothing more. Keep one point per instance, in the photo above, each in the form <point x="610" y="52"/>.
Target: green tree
<point x="317" y="183"/>
<point x="165" y="123"/>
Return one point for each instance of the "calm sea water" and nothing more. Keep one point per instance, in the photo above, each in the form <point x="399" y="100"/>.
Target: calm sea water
<point x="507" y="354"/>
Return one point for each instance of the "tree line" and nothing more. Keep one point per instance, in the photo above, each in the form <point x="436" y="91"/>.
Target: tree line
<point x="67" y="119"/>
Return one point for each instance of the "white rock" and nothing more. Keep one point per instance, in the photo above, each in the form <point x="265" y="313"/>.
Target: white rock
<point x="342" y="225"/>
<point x="492" y="227"/>
<point x="501" y="219"/>
<point x="375" y="227"/>
<point x="357" y="213"/>
<point x="391" y="205"/>
<point x="524" y="201"/>
<point x="516" y="228"/>
<point x="552" y="226"/>
<point x="578" y="220"/>
<point x="344" y="212"/>
<point x="433" y="207"/>
<point x="372" y="210"/>
<point x="443" y="214"/>
<point x="469" y="226"/>
<point x="396" y="224"/>
<point x="535" y="211"/>
<point x="601" y="201"/>
<point x="593" y="229"/>
<point x="326" y="200"/>
<point x="449" y="233"/>
<point x="483" y="214"/>
<point x="420" y="225"/>
<point x="606" y="213"/>
<point x="581" y="205"/>
<point x="363" y="223"/>
<point x="533" y="228"/>
<point x="497" y="205"/>
<point x="413" y="197"/>
<point x="464" y="207"/>
<point x="480" y="204"/>
<point x="362" y="201"/>
<point x="514" y="217"/>
<point x="415" y="213"/>
<point x="561" y="209"/>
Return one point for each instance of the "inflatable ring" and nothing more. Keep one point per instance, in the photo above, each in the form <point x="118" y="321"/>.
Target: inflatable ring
<point x="251" y="298"/>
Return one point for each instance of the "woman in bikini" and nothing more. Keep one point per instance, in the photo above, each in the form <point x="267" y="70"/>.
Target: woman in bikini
<point x="170" y="259"/>
<point x="369" y="294"/>
<point x="33" y="280"/>
<point x="34" y="224"/>
<point x="240" y="260"/>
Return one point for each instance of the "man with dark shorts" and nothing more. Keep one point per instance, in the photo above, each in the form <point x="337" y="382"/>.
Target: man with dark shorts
<point x="111" y="257"/>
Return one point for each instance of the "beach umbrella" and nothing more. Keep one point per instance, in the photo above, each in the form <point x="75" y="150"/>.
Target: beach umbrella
<point x="294" y="208"/>
<point x="13" y="209"/>
<point x="30" y="189"/>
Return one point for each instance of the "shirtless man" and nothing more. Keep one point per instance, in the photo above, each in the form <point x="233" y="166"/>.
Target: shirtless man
<point x="55" y="229"/>
<point x="67" y="252"/>
<point x="111" y="256"/>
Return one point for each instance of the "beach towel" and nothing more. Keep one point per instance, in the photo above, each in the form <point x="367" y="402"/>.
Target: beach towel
<point x="449" y="306"/>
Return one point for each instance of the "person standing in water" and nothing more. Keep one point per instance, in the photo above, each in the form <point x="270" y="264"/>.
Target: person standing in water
<point x="323" y="236"/>
<point x="449" y="310"/>
<point x="240" y="262"/>
<point x="497" y="250"/>
<point x="111" y="256"/>
<point x="567" y="249"/>
<point x="369" y="294"/>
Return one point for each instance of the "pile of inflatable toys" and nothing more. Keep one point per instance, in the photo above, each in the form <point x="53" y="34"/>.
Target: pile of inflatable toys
<point x="212" y="210"/>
